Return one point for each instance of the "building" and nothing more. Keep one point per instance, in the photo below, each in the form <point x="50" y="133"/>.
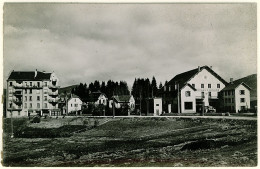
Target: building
<point x="154" y="106"/>
<point x="236" y="96"/>
<point x="189" y="91"/>
<point x="74" y="104"/>
<point x="123" y="101"/>
<point x="32" y="92"/>
<point x="97" y="98"/>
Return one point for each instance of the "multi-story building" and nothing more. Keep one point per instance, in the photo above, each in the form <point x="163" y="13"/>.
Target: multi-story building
<point x="189" y="91"/>
<point x="32" y="92"/>
<point x="236" y="96"/>
<point x="123" y="101"/>
<point x="74" y="104"/>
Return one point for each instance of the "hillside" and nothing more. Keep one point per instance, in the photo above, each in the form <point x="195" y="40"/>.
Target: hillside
<point x="251" y="81"/>
<point x="66" y="89"/>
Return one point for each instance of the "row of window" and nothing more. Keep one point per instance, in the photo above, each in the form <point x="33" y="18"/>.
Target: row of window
<point x="30" y="84"/>
<point x="45" y="105"/>
<point x="232" y="92"/>
<point x="231" y="100"/>
<point x="38" y="98"/>
<point x="193" y="85"/>
<point x="188" y="94"/>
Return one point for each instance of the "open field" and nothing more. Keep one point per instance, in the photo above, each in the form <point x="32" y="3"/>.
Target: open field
<point x="162" y="141"/>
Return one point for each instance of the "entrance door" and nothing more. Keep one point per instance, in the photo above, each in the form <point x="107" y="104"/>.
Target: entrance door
<point x="169" y="108"/>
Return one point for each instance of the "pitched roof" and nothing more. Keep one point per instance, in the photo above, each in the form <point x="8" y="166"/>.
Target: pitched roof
<point x="93" y="97"/>
<point x="122" y="98"/>
<point x="20" y="75"/>
<point x="183" y="78"/>
<point x="234" y="85"/>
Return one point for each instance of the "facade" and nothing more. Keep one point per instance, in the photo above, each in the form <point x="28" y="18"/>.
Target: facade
<point x="74" y="104"/>
<point x="189" y="91"/>
<point x="32" y="92"/>
<point x="98" y="98"/>
<point x="123" y="101"/>
<point x="236" y="97"/>
<point x="154" y="106"/>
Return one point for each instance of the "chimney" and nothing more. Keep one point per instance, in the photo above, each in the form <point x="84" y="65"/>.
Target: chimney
<point x="231" y="80"/>
<point x="198" y="68"/>
<point x="35" y="73"/>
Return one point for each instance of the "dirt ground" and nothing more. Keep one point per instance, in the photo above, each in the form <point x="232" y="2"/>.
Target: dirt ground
<point x="136" y="142"/>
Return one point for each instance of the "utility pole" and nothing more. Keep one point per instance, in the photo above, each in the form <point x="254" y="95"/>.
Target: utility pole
<point x="140" y="102"/>
<point x="113" y="105"/>
<point x="12" y="129"/>
<point x="178" y="95"/>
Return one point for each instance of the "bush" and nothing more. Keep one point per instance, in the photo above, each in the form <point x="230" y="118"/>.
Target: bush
<point x="36" y="119"/>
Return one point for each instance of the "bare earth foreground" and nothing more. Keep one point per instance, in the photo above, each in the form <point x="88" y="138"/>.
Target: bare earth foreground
<point x="163" y="141"/>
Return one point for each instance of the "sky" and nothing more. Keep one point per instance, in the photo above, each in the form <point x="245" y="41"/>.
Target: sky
<point x="84" y="42"/>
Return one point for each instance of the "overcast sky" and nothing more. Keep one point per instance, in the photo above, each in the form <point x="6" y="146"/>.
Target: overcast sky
<point x="87" y="42"/>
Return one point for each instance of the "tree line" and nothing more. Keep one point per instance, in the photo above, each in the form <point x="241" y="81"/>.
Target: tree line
<point x="142" y="88"/>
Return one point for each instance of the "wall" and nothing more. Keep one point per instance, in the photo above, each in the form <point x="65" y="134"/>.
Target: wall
<point x="238" y="96"/>
<point x="74" y="101"/>
<point x="157" y="101"/>
<point x="191" y="98"/>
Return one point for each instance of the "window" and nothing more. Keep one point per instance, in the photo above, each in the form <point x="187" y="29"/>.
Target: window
<point x="242" y="100"/>
<point x="169" y="88"/>
<point x="38" y="98"/>
<point x="157" y="104"/>
<point x="218" y="85"/>
<point x="100" y="101"/>
<point x="202" y="94"/>
<point x="25" y="105"/>
<point x="45" y="91"/>
<point x="25" y="91"/>
<point x="193" y="85"/>
<point x="45" y="105"/>
<point x="11" y="84"/>
<point x="188" y="105"/>
<point x="25" y="98"/>
<point x="187" y="93"/>
<point x="25" y="84"/>
<point x="209" y="94"/>
<point x="38" y="91"/>
<point x="30" y="91"/>
<point x="30" y="83"/>
<point x="38" y="84"/>
<point x="243" y="107"/>
<point x="202" y="85"/>
<point x="45" y="98"/>
<point x="209" y="86"/>
<point x="38" y="105"/>
<point x="10" y="105"/>
<point x="30" y="98"/>
<point x="45" y="83"/>
<point x="242" y="92"/>
<point x="30" y="105"/>
<point x="75" y="100"/>
<point x="76" y="105"/>
<point x="71" y="105"/>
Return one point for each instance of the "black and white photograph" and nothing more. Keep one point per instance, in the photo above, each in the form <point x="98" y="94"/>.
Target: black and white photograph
<point x="114" y="84"/>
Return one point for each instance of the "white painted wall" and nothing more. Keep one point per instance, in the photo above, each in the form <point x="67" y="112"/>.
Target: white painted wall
<point x="71" y="104"/>
<point x="191" y="98"/>
<point x="157" y="106"/>
<point x="205" y="77"/>
<point x="103" y="100"/>
<point x="238" y="96"/>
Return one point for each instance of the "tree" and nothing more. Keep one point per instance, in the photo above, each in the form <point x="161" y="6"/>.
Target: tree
<point x="154" y="87"/>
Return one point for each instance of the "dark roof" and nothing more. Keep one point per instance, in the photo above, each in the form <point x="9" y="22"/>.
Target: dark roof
<point x="190" y="86"/>
<point x="182" y="78"/>
<point x="234" y="85"/>
<point x="122" y="98"/>
<point x="18" y="75"/>
<point x="93" y="97"/>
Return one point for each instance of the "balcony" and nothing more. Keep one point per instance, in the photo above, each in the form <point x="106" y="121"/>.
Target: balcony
<point x="18" y="85"/>
<point x="53" y="93"/>
<point x="32" y="87"/>
<point x="51" y="86"/>
<point x="18" y="93"/>
<point x="17" y="101"/>
<point x="54" y="100"/>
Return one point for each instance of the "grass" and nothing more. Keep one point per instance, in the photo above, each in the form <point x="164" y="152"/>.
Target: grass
<point x="137" y="142"/>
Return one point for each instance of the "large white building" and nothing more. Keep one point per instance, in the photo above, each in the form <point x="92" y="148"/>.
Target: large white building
<point x="236" y="97"/>
<point x="32" y="92"/>
<point x="74" y="104"/>
<point x="189" y="91"/>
